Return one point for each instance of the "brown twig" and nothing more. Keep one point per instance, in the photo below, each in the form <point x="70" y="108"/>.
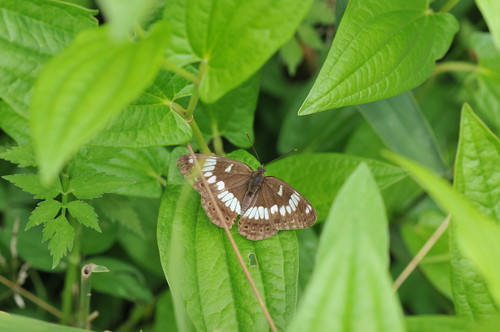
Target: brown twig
<point x="421" y="254"/>
<point x="233" y="244"/>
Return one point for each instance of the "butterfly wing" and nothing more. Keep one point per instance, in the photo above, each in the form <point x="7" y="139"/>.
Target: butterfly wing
<point x="228" y="181"/>
<point x="277" y="207"/>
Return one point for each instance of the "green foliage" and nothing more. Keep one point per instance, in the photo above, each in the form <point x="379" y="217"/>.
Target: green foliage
<point x="94" y="115"/>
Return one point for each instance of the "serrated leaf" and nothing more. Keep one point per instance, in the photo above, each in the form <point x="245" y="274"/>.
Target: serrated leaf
<point x="390" y="46"/>
<point x="14" y="124"/>
<point x="84" y="86"/>
<point x="21" y="155"/>
<point x="61" y="234"/>
<point x="87" y="183"/>
<point x="233" y="115"/>
<point x="490" y="9"/>
<point x="476" y="234"/>
<point x="32" y="31"/>
<point x="352" y="294"/>
<point x="149" y="121"/>
<point x="476" y="176"/>
<point x="319" y="176"/>
<point x="399" y="122"/>
<point x="254" y="30"/>
<point x="45" y="211"/>
<point x="204" y="275"/>
<point x="123" y="280"/>
<point x="119" y="210"/>
<point x="84" y="213"/>
<point x="31" y="184"/>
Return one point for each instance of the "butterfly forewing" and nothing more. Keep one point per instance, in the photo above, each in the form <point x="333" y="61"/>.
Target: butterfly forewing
<point x="228" y="181"/>
<point x="278" y="207"/>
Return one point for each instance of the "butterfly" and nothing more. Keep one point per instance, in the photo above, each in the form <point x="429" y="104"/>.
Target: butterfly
<point x="266" y="204"/>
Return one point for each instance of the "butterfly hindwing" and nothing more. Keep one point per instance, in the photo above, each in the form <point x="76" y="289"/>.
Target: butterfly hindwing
<point x="277" y="207"/>
<point x="228" y="181"/>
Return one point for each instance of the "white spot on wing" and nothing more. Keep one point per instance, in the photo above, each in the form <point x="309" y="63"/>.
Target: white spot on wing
<point x="261" y="212"/>
<point x="288" y="209"/>
<point x="253" y="212"/>
<point x="238" y="208"/>
<point x="282" y="211"/>
<point x="296" y="199"/>
<point x="247" y="212"/>
<point x="212" y="179"/>
<point x="228" y="197"/>
<point x="230" y="201"/>
<point x="266" y="213"/>
<point x="222" y="194"/>
<point x="208" y="168"/>
<point x="210" y="162"/>
<point x="308" y="209"/>
<point x="190" y="160"/>
<point x="220" y="185"/>
<point x="274" y="209"/>
<point x="234" y="204"/>
<point x="208" y="174"/>
<point x="228" y="168"/>
<point x="280" y="192"/>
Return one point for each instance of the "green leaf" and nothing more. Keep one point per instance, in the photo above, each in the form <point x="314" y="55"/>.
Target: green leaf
<point x="291" y="54"/>
<point x="15" y="323"/>
<point x="165" y="315"/>
<point x="61" y="234"/>
<point x="84" y="213"/>
<point x="14" y="124"/>
<point x="352" y="294"/>
<point x="400" y="124"/>
<point x="143" y="169"/>
<point x="32" y="31"/>
<point x="84" y="86"/>
<point x="476" y="169"/>
<point x="119" y="210"/>
<point x="319" y="176"/>
<point x="380" y="50"/>
<point x="31" y="184"/>
<point x="21" y="155"/>
<point x="205" y="277"/>
<point x="485" y="90"/>
<point x="45" y="211"/>
<point x="490" y="9"/>
<point x="477" y="235"/>
<point x="230" y="37"/>
<point x="149" y="121"/>
<point x="87" y="183"/>
<point x="123" y="280"/>
<point x="437" y="323"/>
<point x="233" y="115"/>
<point x="308" y="247"/>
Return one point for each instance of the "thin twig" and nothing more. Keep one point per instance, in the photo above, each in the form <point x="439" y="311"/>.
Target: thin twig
<point x="421" y="254"/>
<point x="42" y="304"/>
<point x="233" y="244"/>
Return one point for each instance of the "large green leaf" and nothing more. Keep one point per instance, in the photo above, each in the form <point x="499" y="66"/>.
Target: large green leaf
<point x="381" y="49"/>
<point x="319" y="176"/>
<point x="230" y="37"/>
<point x="437" y="323"/>
<point x="476" y="176"/>
<point x="350" y="288"/>
<point x="83" y="87"/>
<point x="31" y="32"/>
<point x="490" y="9"/>
<point x="204" y="275"/>
<point x="477" y="235"/>
<point x="149" y="121"/>
<point x="16" y="323"/>
<point x="14" y="124"/>
<point x="399" y="122"/>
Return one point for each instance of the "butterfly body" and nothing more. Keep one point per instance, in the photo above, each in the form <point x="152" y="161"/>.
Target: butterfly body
<point x="266" y="204"/>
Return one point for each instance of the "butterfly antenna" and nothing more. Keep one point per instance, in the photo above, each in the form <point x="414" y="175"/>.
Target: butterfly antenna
<point x="283" y="155"/>
<point x="254" y="151"/>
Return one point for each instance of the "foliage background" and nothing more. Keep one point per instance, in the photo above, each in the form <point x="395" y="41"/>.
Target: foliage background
<point x="93" y="124"/>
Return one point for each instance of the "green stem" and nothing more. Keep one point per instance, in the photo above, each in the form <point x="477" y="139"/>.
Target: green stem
<point x="217" y="141"/>
<point x="85" y="285"/>
<point x="199" y="137"/>
<point x="193" y="101"/>
<point x="448" y="6"/>
<point x="180" y="71"/>
<point x="71" y="277"/>
<point x="456" y="66"/>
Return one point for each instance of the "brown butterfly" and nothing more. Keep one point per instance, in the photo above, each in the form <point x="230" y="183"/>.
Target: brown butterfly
<point x="266" y="204"/>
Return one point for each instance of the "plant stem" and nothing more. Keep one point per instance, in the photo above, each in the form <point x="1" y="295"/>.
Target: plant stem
<point x="85" y="285"/>
<point x="180" y="71"/>
<point x="217" y="141"/>
<point x="448" y="6"/>
<point x="71" y="277"/>
<point x="455" y="66"/>
<point x="199" y="137"/>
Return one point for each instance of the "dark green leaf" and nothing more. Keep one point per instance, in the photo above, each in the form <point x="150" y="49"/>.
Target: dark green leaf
<point x="21" y="154"/>
<point x="86" y="183"/>
<point x="119" y="210"/>
<point x="165" y="315"/>
<point x="31" y="184"/>
<point x="45" y="211"/>
<point x="84" y="213"/>
<point x="437" y="323"/>
<point x="14" y="124"/>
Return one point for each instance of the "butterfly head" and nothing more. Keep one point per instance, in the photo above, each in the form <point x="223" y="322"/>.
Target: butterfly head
<point x="261" y="169"/>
